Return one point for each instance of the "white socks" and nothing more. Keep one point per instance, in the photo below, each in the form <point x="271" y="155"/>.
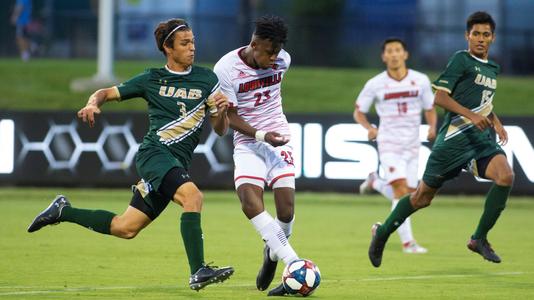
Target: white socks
<point x="274" y="236"/>
<point x="405" y="230"/>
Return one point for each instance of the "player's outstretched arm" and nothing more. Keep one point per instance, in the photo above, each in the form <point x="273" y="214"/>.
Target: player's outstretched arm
<point x="443" y="99"/>
<point x="96" y="100"/>
<point x="271" y="137"/>
<point x="361" y="118"/>
<point x="219" y="119"/>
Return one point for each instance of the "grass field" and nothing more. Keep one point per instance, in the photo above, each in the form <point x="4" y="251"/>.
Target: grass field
<point x="44" y="85"/>
<point x="70" y="262"/>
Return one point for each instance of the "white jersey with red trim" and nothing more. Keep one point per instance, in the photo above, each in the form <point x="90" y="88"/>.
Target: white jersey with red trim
<point x="255" y="92"/>
<point x="399" y="105"/>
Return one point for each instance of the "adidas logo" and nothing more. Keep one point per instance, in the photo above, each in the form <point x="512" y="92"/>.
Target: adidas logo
<point x="242" y="74"/>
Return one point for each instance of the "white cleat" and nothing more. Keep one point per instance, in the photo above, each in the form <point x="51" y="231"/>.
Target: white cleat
<point x="413" y="248"/>
<point x="367" y="186"/>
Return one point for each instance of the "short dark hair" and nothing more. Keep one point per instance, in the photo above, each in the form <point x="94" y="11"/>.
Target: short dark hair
<point x="480" y="17"/>
<point x="164" y="32"/>
<point x="272" y="28"/>
<point x="394" y="40"/>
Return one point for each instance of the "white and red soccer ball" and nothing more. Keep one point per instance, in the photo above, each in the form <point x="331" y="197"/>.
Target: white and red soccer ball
<point x="302" y="277"/>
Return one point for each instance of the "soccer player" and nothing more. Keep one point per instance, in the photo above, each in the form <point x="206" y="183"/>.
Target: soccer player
<point x="400" y="94"/>
<point x="179" y="96"/>
<point x="465" y="90"/>
<point x="251" y="77"/>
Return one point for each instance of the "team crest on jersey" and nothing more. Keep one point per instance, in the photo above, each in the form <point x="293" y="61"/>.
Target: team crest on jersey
<point x="182" y="93"/>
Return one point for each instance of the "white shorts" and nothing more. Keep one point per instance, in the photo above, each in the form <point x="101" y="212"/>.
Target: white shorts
<point x="397" y="166"/>
<point x="259" y="163"/>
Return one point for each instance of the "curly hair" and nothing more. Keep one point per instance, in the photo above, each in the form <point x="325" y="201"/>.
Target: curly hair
<point x="271" y="28"/>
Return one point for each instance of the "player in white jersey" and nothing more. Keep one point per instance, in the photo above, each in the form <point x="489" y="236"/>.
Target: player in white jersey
<point x="251" y="78"/>
<point x="399" y="94"/>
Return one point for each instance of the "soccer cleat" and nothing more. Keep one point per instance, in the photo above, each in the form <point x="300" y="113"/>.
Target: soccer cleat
<point x="278" y="291"/>
<point x="49" y="216"/>
<point x="267" y="271"/>
<point x="367" y="186"/>
<point x="483" y="247"/>
<point x="209" y="274"/>
<point x="413" y="248"/>
<point x="376" y="248"/>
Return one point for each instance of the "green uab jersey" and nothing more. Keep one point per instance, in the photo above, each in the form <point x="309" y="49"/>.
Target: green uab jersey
<point x="177" y="105"/>
<point x="472" y="83"/>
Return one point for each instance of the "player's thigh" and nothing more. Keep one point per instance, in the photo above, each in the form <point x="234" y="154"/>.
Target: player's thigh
<point x="412" y="170"/>
<point x="128" y="224"/>
<point x="499" y="170"/>
<point x="189" y="196"/>
<point x="250" y="167"/>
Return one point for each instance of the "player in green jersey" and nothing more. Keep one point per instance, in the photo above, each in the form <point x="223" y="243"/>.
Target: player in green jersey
<point x="465" y="90"/>
<point x="179" y="96"/>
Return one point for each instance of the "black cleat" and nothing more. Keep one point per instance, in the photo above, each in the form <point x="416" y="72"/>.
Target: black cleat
<point x="267" y="271"/>
<point x="483" y="247"/>
<point x="278" y="291"/>
<point x="50" y="215"/>
<point x="208" y="275"/>
<point x="376" y="249"/>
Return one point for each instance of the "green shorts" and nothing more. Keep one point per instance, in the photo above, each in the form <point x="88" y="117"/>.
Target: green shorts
<point x="449" y="157"/>
<point x="153" y="163"/>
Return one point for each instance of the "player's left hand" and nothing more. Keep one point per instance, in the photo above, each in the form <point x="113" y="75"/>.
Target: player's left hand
<point x="275" y="139"/>
<point x="431" y="136"/>
<point x="501" y="133"/>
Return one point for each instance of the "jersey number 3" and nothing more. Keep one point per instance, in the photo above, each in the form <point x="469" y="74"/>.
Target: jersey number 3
<point x="262" y="97"/>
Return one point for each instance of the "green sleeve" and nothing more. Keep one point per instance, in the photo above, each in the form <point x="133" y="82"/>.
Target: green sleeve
<point x="453" y="72"/>
<point x="134" y="87"/>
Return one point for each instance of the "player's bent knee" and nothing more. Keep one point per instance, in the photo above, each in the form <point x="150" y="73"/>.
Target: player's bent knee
<point x="506" y="179"/>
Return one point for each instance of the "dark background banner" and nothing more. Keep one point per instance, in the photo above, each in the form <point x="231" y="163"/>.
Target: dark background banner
<point x="331" y="152"/>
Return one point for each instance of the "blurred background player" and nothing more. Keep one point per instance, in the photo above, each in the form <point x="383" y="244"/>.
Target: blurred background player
<point x="178" y="97"/>
<point x="251" y="77"/>
<point x="465" y="90"/>
<point x="399" y="94"/>
<point x="21" y="18"/>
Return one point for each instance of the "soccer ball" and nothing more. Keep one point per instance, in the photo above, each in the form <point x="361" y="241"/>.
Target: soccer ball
<point x="302" y="277"/>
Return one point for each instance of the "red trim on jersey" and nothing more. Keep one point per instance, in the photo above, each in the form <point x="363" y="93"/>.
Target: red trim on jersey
<point x="280" y="176"/>
<point x="251" y="177"/>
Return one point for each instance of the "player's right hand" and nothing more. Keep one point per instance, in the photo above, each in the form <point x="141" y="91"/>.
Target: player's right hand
<point x="87" y="114"/>
<point x="481" y="122"/>
<point x="275" y="139"/>
<point x="372" y="133"/>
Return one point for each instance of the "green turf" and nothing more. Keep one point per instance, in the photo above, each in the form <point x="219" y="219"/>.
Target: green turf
<point x="70" y="262"/>
<point x="44" y="84"/>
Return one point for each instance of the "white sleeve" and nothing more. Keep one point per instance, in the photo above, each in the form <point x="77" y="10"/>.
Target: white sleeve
<point x="226" y="86"/>
<point x="365" y="98"/>
<point x="428" y="96"/>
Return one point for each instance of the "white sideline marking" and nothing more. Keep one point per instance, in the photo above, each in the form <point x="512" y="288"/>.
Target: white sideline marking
<point x="59" y="289"/>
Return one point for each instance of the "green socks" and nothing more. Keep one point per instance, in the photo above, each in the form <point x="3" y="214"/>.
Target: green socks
<point x="495" y="203"/>
<point x="97" y="220"/>
<point x="193" y="241"/>
<point x="402" y="211"/>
